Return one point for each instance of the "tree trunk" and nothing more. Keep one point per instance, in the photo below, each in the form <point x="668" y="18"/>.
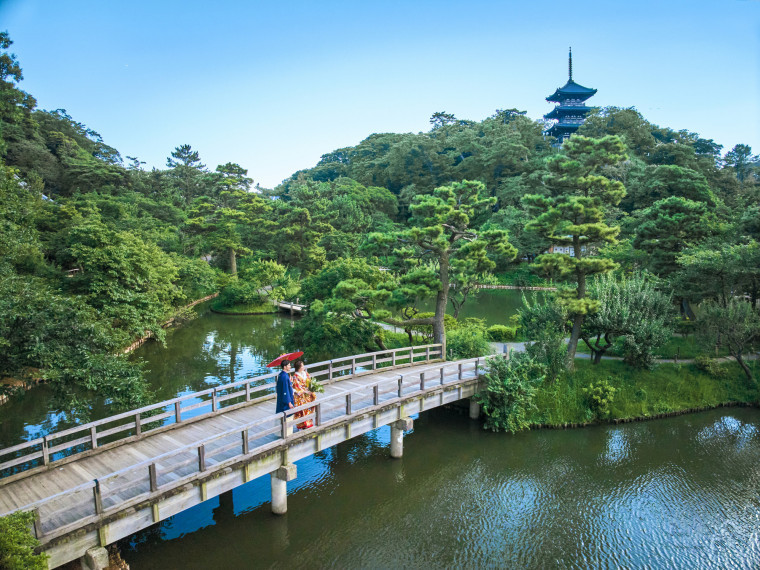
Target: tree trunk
<point x="744" y="366"/>
<point x="439" y="331"/>
<point x="233" y="262"/>
<point x="572" y="346"/>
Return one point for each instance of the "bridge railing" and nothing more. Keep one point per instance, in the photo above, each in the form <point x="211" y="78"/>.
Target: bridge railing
<point x="143" y="481"/>
<point x="60" y="447"/>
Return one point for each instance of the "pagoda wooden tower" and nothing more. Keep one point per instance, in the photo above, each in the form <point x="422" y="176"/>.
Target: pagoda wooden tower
<point x="571" y="110"/>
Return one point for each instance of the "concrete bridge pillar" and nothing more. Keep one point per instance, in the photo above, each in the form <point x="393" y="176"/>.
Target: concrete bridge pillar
<point x="96" y="558"/>
<point x="474" y="409"/>
<point x="397" y="436"/>
<point x="280" y="479"/>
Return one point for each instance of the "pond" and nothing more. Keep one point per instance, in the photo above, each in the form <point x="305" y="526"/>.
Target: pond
<point x="673" y="493"/>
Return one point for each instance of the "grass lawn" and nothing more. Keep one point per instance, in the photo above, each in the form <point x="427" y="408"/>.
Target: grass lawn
<point x="641" y="393"/>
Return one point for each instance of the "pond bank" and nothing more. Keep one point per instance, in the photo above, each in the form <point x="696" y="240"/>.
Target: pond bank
<point x="617" y="421"/>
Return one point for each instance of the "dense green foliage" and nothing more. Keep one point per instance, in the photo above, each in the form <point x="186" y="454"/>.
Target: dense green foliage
<point x="507" y="399"/>
<point x="95" y="251"/>
<point x="630" y="307"/>
<point x="17" y="543"/>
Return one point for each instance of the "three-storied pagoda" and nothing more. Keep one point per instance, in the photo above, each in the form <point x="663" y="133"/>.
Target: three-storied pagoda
<point x="571" y="110"/>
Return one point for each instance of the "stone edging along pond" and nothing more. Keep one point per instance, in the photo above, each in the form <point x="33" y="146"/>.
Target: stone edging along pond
<point x="647" y="418"/>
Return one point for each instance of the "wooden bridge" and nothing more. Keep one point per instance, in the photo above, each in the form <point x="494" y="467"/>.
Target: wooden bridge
<point x="96" y="483"/>
<point x="294" y="308"/>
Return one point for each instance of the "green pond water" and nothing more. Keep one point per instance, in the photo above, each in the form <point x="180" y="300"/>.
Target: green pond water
<point x="674" y="493"/>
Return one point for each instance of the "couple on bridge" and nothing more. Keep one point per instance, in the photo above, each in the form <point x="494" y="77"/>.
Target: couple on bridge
<point x="295" y="387"/>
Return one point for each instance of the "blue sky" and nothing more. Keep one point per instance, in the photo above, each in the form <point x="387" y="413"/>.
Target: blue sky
<point x="274" y="85"/>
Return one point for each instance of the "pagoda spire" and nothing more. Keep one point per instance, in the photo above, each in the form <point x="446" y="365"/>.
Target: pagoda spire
<point x="570" y="64"/>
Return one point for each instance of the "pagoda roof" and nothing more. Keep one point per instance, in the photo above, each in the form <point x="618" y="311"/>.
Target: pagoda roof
<point x="560" y="111"/>
<point x="560" y="129"/>
<point x="571" y="90"/>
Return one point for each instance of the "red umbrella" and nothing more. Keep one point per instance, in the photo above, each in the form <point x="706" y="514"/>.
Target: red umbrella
<point x="287" y="356"/>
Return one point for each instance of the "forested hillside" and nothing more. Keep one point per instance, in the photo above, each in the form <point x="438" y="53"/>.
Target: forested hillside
<point x="96" y="251"/>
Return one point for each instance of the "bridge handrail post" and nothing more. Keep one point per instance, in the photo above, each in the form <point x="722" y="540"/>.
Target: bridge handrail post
<point x="284" y="423"/>
<point x="318" y="414"/>
<point x="374" y="361"/>
<point x="37" y="523"/>
<point x="422" y="381"/>
<point x="349" y="400"/>
<point x="138" y="425"/>
<point x="45" y="450"/>
<point x="246" y="444"/>
<point x="376" y="394"/>
<point x="329" y="370"/>
<point x="442" y="367"/>
<point x="427" y="354"/>
<point x="411" y="355"/>
<point x="177" y="412"/>
<point x="353" y="366"/>
<point x="247" y="391"/>
<point x="477" y="362"/>
<point x="201" y="457"/>
<point x="98" y="498"/>
<point x="393" y="358"/>
<point x="153" y="477"/>
<point x="94" y="437"/>
<point x="214" y="403"/>
<point x="400" y="384"/>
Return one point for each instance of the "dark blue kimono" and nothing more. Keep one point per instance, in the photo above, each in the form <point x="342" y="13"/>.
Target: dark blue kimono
<point x="284" y="392"/>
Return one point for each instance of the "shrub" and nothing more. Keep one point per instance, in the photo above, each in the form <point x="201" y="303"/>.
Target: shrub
<point x="501" y="333"/>
<point x="17" y="544"/>
<point x="510" y="387"/>
<point x="467" y="341"/>
<point x="599" y="397"/>
<point x="544" y="323"/>
<point x="711" y="366"/>
<point x="685" y="327"/>
<point x="239" y="292"/>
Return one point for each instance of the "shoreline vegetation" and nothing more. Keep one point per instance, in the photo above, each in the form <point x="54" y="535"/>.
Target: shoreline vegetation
<point x="667" y="389"/>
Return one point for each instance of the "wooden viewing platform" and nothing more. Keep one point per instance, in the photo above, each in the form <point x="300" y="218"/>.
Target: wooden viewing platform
<point x="94" y="484"/>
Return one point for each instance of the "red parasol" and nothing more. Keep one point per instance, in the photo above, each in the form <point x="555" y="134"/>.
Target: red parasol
<point x="287" y="356"/>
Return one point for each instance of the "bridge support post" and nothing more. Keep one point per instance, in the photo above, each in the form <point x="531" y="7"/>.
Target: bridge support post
<point x="280" y="479"/>
<point x="397" y="436"/>
<point x="474" y="409"/>
<point x="95" y="558"/>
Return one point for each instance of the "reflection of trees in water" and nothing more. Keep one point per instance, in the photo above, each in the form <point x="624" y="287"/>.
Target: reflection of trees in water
<point x="213" y="350"/>
<point x="207" y="351"/>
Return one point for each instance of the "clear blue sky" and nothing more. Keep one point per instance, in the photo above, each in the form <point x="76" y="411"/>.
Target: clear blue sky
<point x="274" y="85"/>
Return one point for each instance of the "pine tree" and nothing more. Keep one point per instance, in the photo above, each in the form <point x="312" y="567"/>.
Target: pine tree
<point x="573" y="212"/>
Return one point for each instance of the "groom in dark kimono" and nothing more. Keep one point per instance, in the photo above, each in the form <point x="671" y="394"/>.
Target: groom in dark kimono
<point x="284" y="389"/>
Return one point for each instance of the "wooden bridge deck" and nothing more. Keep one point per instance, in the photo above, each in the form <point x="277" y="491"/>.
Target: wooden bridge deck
<point x="98" y="495"/>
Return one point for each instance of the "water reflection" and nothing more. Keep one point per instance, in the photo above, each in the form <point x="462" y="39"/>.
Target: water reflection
<point x="660" y="494"/>
<point x="206" y="352"/>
